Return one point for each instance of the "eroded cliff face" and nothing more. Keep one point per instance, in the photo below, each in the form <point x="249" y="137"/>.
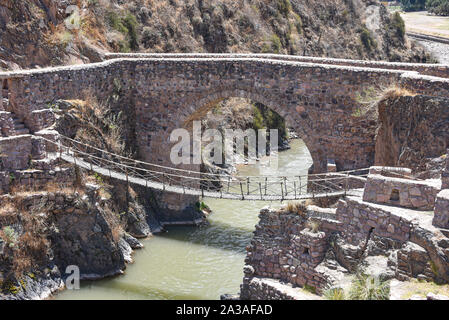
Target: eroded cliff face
<point x="44" y="232"/>
<point x="44" y="32"/>
<point x="412" y="131"/>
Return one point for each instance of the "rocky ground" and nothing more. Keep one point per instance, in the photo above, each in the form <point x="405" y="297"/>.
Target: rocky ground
<point x="440" y="51"/>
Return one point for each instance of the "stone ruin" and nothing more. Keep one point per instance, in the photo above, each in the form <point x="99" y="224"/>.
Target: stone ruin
<point x="397" y="228"/>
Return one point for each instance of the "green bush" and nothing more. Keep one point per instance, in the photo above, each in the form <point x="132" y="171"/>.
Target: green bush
<point x="413" y="5"/>
<point x="398" y="25"/>
<point x="438" y="7"/>
<point x="131" y="24"/>
<point x="334" y="294"/>
<point x="367" y="39"/>
<point x="284" y="7"/>
<point x="128" y="26"/>
<point x="366" y="287"/>
<point x="275" y="45"/>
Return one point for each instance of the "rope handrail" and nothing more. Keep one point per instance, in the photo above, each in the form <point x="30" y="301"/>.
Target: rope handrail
<point x="237" y="187"/>
<point x="191" y="171"/>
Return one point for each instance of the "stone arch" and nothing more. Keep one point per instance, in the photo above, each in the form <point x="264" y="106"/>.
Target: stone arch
<point x="199" y="107"/>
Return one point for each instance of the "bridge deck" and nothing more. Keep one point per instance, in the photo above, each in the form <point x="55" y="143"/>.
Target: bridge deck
<point x="197" y="192"/>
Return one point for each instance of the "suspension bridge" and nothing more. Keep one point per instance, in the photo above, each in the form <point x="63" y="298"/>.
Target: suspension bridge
<point x="210" y="185"/>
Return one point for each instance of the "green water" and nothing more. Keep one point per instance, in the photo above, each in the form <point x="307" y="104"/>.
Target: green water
<point x="195" y="263"/>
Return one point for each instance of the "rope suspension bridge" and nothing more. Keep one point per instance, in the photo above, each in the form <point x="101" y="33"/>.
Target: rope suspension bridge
<point x="211" y="185"/>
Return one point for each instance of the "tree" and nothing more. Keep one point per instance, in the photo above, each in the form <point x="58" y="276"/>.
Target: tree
<point x="413" y="5"/>
<point x="438" y="7"/>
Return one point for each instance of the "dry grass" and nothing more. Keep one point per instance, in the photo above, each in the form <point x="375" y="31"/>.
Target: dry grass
<point x="369" y="97"/>
<point x="299" y="208"/>
<point x="99" y="126"/>
<point x="313" y="225"/>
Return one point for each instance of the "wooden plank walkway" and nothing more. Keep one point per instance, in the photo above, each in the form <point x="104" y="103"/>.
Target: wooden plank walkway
<point x="197" y="192"/>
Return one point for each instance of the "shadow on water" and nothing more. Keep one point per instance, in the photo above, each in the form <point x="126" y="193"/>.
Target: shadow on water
<point x="219" y="234"/>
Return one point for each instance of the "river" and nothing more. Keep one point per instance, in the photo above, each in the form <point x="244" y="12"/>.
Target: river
<point x="195" y="262"/>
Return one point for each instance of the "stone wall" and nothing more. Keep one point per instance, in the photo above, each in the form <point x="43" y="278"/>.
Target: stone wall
<point x="15" y="152"/>
<point x="412" y="130"/>
<point x="283" y="248"/>
<point x="6" y="124"/>
<point x="269" y="289"/>
<point x="438" y="70"/>
<point x="445" y="173"/>
<point x="401" y="192"/>
<point x="441" y="216"/>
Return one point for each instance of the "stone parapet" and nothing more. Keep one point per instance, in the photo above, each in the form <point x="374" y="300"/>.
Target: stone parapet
<point x="401" y="192"/>
<point x="394" y="172"/>
<point x="270" y="289"/>
<point x="441" y="215"/>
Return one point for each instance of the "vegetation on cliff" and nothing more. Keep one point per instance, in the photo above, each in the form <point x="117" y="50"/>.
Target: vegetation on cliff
<point x="49" y="33"/>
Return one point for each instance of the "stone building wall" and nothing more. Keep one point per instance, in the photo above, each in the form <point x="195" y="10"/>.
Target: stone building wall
<point x="401" y="192"/>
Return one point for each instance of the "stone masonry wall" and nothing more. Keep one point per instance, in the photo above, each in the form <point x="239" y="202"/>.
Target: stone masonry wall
<point x="15" y="152"/>
<point x="282" y="248"/>
<point x="441" y="216"/>
<point x="445" y="173"/>
<point x="401" y="192"/>
<point x="6" y="124"/>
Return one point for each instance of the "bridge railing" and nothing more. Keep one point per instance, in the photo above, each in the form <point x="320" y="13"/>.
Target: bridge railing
<point x="204" y="184"/>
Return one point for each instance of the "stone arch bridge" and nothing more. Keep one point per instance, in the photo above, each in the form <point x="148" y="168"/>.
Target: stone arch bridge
<point x="316" y="96"/>
<point x="319" y="97"/>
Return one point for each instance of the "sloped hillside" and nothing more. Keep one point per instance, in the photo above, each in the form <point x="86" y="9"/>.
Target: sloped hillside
<point x="46" y="32"/>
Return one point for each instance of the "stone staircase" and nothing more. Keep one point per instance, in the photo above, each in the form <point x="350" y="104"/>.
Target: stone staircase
<point x="19" y="126"/>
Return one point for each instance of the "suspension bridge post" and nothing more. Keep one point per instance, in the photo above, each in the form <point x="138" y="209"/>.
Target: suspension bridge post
<point x="260" y="190"/>
<point x="294" y="186"/>
<point x="241" y="190"/>
<point x="300" y="186"/>
<point x="266" y="180"/>
<point x="285" y="186"/>
<point x="229" y="183"/>
<point x="247" y="185"/>
<point x="282" y="191"/>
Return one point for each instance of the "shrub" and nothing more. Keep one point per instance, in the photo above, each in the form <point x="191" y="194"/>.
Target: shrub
<point x="313" y="225"/>
<point x="438" y="7"/>
<point x="284" y="7"/>
<point x="128" y="26"/>
<point x="274" y="46"/>
<point x="131" y="24"/>
<point x="10" y="236"/>
<point x="334" y="294"/>
<point x="367" y="39"/>
<point x="398" y="25"/>
<point x="366" y="287"/>
<point x="413" y="5"/>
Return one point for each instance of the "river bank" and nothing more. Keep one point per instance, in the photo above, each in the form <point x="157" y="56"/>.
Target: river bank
<point x="194" y="262"/>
